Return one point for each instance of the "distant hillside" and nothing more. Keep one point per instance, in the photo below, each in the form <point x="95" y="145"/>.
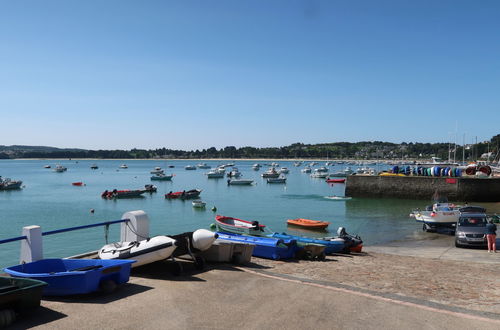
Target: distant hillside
<point x="335" y="150"/>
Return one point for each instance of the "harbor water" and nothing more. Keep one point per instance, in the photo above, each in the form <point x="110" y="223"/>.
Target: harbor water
<point x="49" y="199"/>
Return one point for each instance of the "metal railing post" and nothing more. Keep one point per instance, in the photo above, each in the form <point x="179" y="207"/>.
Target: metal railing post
<point x="32" y="246"/>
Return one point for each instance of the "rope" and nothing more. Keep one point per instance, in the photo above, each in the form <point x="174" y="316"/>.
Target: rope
<point x="132" y="230"/>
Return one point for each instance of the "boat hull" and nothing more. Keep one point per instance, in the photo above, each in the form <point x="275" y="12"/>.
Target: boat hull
<point x="143" y="252"/>
<point x="333" y="246"/>
<point x="265" y="247"/>
<point x="73" y="276"/>
<point x="238" y="226"/>
<point x="20" y="294"/>
<point x="308" y="224"/>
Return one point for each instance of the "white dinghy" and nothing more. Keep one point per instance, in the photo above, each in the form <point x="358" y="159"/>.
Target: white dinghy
<point x="144" y="252"/>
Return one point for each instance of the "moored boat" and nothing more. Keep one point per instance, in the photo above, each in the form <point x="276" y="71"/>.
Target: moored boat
<point x="338" y="198"/>
<point x="74" y="276"/>
<point x="193" y="193"/>
<point x="198" y="204"/>
<point x="94" y="167"/>
<point x="79" y="183"/>
<point x="122" y="193"/>
<point x="190" y="167"/>
<point x="143" y="252"/>
<point x="8" y="184"/>
<point x="270" y="173"/>
<point x="280" y="179"/>
<point x="203" y="165"/>
<point x="307" y="223"/>
<point x="157" y="170"/>
<point x="239" y="182"/>
<point x="60" y="168"/>
<point x="123" y="166"/>
<point x="335" y="180"/>
<point x="150" y="188"/>
<point x="162" y="177"/>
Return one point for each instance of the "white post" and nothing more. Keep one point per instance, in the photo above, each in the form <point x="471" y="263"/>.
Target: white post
<point x="137" y="229"/>
<point x="31" y="247"/>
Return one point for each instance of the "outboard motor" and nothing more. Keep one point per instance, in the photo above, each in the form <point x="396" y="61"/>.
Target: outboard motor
<point x="341" y="232"/>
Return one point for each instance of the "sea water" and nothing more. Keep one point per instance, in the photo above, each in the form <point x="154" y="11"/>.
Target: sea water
<point x="49" y="199"/>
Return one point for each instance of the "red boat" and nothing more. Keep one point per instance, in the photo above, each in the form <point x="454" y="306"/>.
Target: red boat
<point x="193" y="193"/>
<point x="335" y="180"/>
<point x="78" y="184"/>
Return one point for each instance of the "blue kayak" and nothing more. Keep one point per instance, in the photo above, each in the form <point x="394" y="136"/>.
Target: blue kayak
<point x="332" y="246"/>
<point x="265" y="247"/>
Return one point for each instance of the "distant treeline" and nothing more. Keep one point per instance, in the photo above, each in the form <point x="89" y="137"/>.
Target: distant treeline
<point x="336" y="150"/>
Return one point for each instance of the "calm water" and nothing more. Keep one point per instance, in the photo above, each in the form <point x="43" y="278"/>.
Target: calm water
<point x="49" y="200"/>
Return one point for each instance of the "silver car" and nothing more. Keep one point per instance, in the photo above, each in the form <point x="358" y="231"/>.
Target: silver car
<point x="471" y="230"/>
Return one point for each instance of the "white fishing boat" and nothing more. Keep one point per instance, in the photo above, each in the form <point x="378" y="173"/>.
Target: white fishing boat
<point x="256" y="166"/>
<point x="60" y="168"/>
<point x="306" y="169"/>
<point x="215" y="174"/>
<point x="203" y="165"/>
<point x="280" y="179"/>
<point x="157" y="170"/>
<point x="190" y="167"/>
<point x="123" y="166"/>
<point x="234" y="173"/>
<point x="284" y="170"/>
<point x="239" y="182"/>
<point x="198" y="204"/>
<point x="321" y="175"/>
<point x="438" y="215"/>
<point x="270" y="173"/>
<point x="144" y="252"/>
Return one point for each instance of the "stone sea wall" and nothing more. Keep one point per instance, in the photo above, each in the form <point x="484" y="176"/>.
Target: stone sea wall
<point x="414" y="187"/>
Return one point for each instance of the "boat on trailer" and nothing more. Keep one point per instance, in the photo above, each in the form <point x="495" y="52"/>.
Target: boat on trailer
<point x="265" y="247"/>
<point x="75" y="276"/>
<point x="144" y="252"/>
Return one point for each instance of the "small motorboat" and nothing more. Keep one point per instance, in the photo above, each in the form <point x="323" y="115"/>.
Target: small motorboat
<point x="239" y="182"/>
<point x="215" y="174"/>
<point x="123" y="166"/>
<point x="47" y="166"/>
<point x="265" y="247"/>
<point x="198" y="204"/>
<point x="203" y="165"/>
<point x="143" y="252"/>
<point x="122" y="193"/>
<point x="238" y="226"/>
<point x="157" y="170"/>
<point x="280" y="179"/>
<point x="150" y="188"/>
<point x="74" y="276"/>
<point x="306" y="223"/>
<point x="270" y="173"/>
<point x="162" y="177"/>
<point x="190" y="167"/>
<point x="353" y="243"/>
<point x="60" y="169"/>
<point x="320" y="175"/>
<point x="284" y="170"/>
<point x="94" y="167"/>
<point x="234" y="173"/>
<point x="8" y="184"/>
<point x="78" y="184"/>
<point x="335" y="180"/>
<point x="189" y="194"/>
<point x="338" y="198"/>
<point x="306" y="169"/>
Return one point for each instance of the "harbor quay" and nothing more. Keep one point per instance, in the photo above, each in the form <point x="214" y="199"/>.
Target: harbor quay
<point x="417" y="187"/>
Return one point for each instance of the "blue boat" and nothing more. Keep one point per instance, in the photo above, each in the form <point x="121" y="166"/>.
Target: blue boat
<point x="332" y="246"/>
<point x="265" y="247"/>
<point x="74" y="276"/>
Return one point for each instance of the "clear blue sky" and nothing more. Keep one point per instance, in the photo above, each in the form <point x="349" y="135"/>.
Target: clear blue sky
<point x="102" y="74"/>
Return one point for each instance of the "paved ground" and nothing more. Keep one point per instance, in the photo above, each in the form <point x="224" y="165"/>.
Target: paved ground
<point x="251" y="297"/>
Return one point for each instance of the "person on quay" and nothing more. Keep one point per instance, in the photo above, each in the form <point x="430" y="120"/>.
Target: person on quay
<point x="491" y="236"/>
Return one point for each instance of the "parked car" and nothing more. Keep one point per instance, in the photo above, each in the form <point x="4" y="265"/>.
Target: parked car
<point x="471" y="229"/>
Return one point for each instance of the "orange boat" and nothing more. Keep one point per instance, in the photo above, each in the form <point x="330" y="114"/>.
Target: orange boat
<point x="78" y="184"/>
<point x="306" y="223"/>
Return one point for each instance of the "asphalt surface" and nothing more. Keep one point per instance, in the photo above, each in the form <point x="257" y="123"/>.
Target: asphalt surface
<point x="224" y="297"/>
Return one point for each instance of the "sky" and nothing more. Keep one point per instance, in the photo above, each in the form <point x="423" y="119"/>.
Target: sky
<point x="119" y="74"/>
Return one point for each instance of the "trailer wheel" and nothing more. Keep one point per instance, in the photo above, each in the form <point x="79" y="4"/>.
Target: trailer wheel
<point x="199" y="262"/>
<point x="108" y="286"/>
<point x="7" y="317"/>
<point x="177" y="269"/>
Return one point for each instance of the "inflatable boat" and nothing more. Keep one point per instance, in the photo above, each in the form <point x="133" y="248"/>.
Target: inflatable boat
<point x="144" y="252"/>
